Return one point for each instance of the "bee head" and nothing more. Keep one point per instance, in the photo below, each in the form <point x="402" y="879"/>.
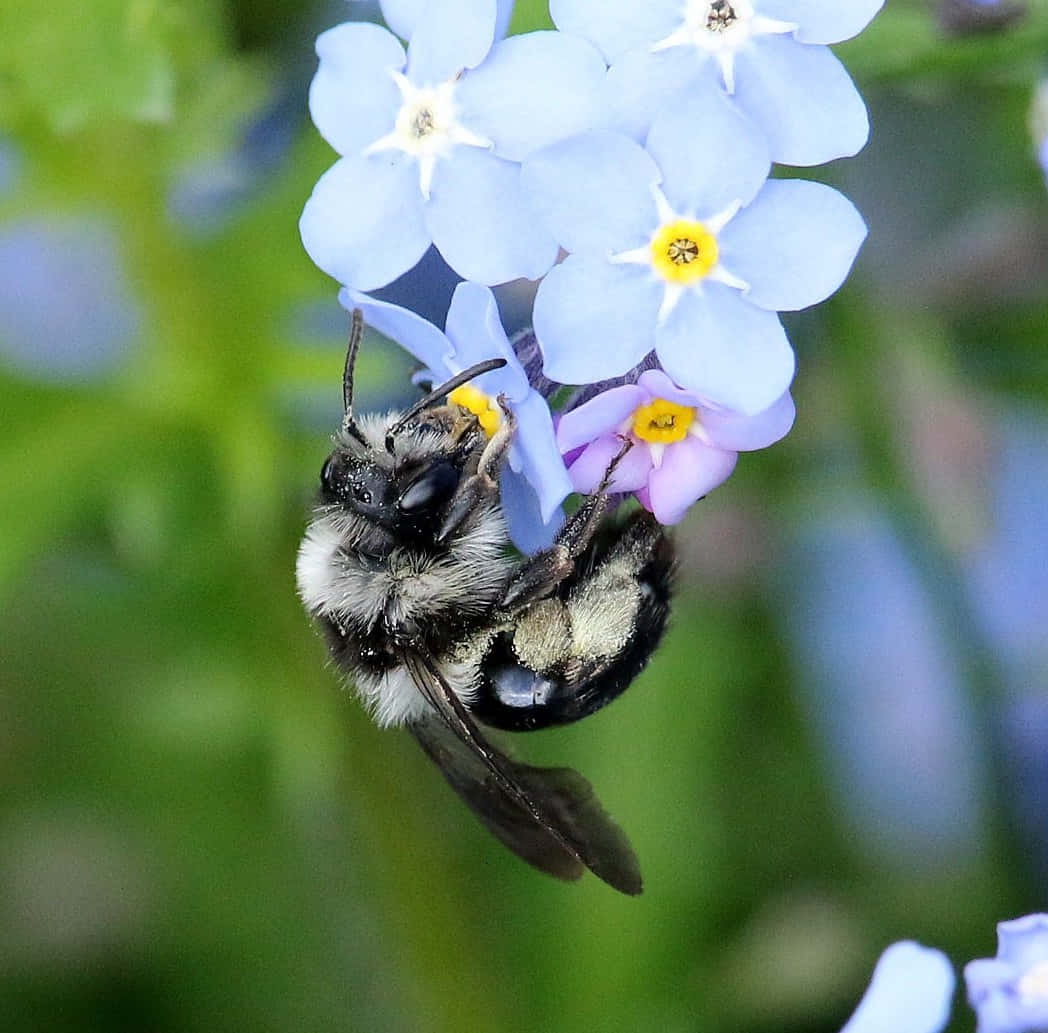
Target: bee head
<point x="401" y="477"/>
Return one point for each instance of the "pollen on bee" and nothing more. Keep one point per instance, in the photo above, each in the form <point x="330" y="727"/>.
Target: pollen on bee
<point x="481" y="405"/>
<point x="684" y="251"/>
<point x="663" y="422"/>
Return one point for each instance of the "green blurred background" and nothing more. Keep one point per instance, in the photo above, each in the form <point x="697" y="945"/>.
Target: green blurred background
<point x="843" y="741"/>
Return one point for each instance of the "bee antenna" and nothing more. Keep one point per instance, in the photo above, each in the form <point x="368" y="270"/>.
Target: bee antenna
<point x="356" y="335"/>
<point x="477" y="370"/>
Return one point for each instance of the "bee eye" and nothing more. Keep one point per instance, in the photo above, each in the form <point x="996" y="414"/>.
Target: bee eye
<point x="360" y="493"/>
<point x="433" y="487"/>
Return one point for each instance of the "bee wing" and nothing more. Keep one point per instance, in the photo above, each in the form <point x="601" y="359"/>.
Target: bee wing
<point x="550" y="817"/>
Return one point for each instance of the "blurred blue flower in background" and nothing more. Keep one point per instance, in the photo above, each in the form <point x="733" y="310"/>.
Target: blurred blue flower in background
<point x="431" y="143"/>
<point x="684" y="249"/>
<point x="1039" y="125"/>
<point x="769" y="55"/>
<point x="1007" y="579"/>
<point x="911" y="992"/>
<point x="67" y="312"/>
<point x="474" y="333"/>
<point x="1010" y="992"/>
<point x="883" y="690"/>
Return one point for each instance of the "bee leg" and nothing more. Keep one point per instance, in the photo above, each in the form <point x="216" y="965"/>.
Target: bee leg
<point x="540" y="574"/>
<point x="483" y="484"/>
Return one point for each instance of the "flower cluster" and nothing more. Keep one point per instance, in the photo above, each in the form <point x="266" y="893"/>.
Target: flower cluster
<point x="623" y="161"/>
<point x="912" y="986"/>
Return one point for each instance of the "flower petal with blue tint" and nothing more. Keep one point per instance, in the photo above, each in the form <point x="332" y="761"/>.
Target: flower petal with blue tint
<point x="803" y="99"/>
<point x="911" y="992"/>
<point x="641" y="85"/>
<point x="593" y="192"/>
<point x="738" y="433"/>
<point x="363" y="223"/>
<point x="595" y="320"/>
<point x="709" y="153"/>
<point x="69" y="312"/>
<point x="794" y="245"/>
<point x="534" y="452"/>
<point x="1010" y="992"/>
<point x="1023" y="941"/>
<point x="631" y="474"/>
<point x="823" y="21"/>
<point x="353" y="99"/>
<point x="481" y="222"/>
<point x="413" y="333"/>
<point x="616" y="26"/>
<point x="657" y="385"/>
<point x="602" y="414"/>
<point x="689" y="470"/>
<point x="475" y="331"/>
<point x="726" y="350"/>
<point x="449" y="36"/>
<point x="401" y="15"/>
<point x="520" y="507"/>
<point x="532" y="91"/>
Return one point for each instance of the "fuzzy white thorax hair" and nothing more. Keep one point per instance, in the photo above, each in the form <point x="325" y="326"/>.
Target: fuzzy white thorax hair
<point x="409" y="586"/>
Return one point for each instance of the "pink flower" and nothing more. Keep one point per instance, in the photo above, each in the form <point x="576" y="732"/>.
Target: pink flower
<point x="683" y="448"/>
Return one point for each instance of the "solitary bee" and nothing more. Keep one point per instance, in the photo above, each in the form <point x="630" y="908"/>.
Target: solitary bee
<point x="408" y="569"/>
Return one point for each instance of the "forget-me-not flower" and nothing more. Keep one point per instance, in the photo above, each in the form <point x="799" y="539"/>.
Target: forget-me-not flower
<point x="685" y="249"/>
<point x="681" y="449"/>
<point x="401" y="16"/>
<point x="769" y="55"/>
<point x="910" y="992"/>
<point x="1010" y="992"/>
<point x="431" y="143"/>
<point x="473" y="333"/>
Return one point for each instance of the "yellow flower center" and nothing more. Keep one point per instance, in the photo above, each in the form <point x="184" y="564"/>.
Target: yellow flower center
<point x="483" y="406"/>
<point x="684" y="251"/>
<point x="663" y="422"/>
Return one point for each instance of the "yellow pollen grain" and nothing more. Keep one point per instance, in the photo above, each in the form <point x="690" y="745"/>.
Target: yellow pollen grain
<point x="481" y="405"/>
<point x="663" y="422"/>
<point x="684" y="251"/>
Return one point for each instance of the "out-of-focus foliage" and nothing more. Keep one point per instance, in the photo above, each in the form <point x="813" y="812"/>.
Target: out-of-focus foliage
<point x="841" y="743"/>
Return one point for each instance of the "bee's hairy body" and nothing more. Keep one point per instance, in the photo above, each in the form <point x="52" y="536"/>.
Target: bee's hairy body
<point x="375" y="594"/>
<point x="408" y="568"/>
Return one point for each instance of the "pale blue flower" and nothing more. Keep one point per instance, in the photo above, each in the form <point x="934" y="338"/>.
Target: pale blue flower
<point x="1010" y="992"/>
<point x="769" y="55"/>
<point x="685" y="249"/>
<point x="68" y="310"/>
<point x="431" y="143"/>
<point x="474" y="333"/>
<point x="911" y="992"/>
<point x="401" y="16"/>
<point x="681" y="449"/>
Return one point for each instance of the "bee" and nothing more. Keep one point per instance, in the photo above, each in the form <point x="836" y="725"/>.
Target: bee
<point x="408" y="569"/>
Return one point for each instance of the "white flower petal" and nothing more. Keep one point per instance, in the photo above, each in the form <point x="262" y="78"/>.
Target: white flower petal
<point x="353" y="99"/>
<point x="594" y="320"/>
<point x="726" y="350"/>
<point x="803" y="99"/>
<point x="363" y="223"/>
<point x="794" y="245"/>
<point x="911" y="992"/>
<point x="481" y="222"/>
